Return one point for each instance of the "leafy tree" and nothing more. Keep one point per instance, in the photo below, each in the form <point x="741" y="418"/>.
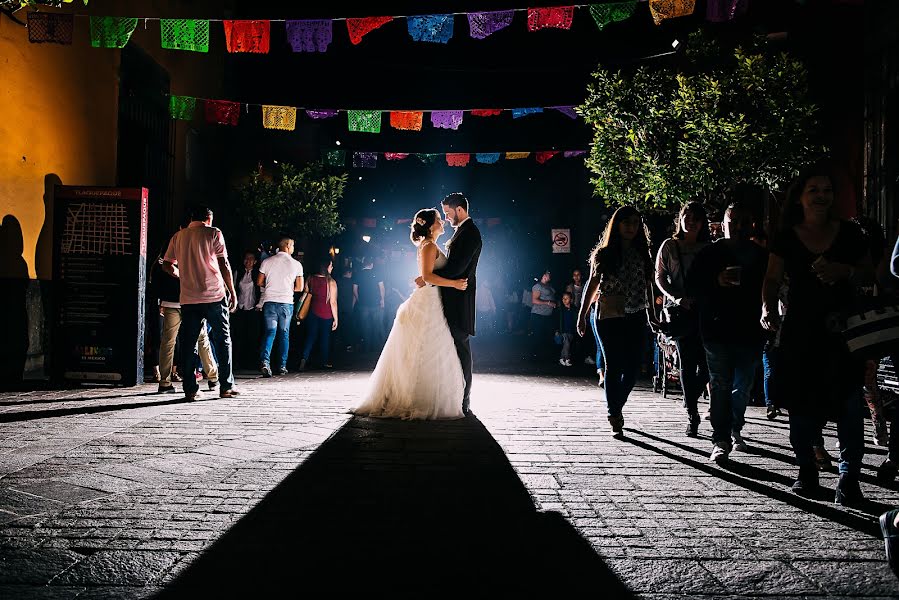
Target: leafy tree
<point x="301" y="200"/>
<point x="722" y="119"/>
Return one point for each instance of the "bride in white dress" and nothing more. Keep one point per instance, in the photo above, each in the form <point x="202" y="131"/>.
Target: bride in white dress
<point x="419" y="375"/>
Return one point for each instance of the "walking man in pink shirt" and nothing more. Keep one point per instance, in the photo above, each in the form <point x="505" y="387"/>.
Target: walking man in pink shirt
<point x="198" y="257"/>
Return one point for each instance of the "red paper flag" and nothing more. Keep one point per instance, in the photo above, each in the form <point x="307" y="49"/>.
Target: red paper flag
<point x="408" y="120"/>
<point x="248" y="36"/>
<point x="486" y="112"/>
<point x="396" y="155"/>
<point x="542" y="157"/>
<point x="358" y="28"/>
<point x="369" y="222"/>
<point x="558" y="17"/>
<point x="493" y="221"/>
<point x="222" y="112"/>
<point x="457" y="159"/>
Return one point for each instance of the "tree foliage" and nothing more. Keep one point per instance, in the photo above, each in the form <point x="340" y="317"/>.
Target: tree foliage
<point x="302" y="201"/>
<point x="723" y="118"/>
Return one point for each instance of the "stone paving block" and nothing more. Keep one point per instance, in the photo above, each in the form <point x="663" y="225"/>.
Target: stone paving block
<point x="759" y="577"/>
<point x="849" y="578"/>
<point x="119" y="567"/>
<point x="675" y="576"/>
<point x="32" y="566"/>
<point x="60" y="491"/>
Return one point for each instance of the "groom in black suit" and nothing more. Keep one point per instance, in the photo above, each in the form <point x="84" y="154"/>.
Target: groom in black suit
<point x="462" y="253"/>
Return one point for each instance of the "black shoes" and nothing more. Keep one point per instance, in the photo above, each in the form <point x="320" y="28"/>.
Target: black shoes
<point x="848" y="492"/>
<point x="617" y="423"/>
<point x="806" y="483"/>
<point x="283" y="371"/>
<point x="266" y="371"/>
<point x="693" y="425"/>
<point x="887" y="471"/>
<point x="302" y="365"/>
<point x="772" y="413"/>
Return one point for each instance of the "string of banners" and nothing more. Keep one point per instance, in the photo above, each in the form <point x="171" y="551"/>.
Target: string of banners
<point x="369" y="160"/>
<point x="284" y="118"/>
<point x="316" y="35"/>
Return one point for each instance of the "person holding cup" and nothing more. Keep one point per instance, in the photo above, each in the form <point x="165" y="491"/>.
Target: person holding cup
<point x="726" y="281"/>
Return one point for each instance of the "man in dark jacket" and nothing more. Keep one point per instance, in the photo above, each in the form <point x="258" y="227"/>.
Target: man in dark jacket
<point x="462" y="253"/>
<point x="246" y="320"/>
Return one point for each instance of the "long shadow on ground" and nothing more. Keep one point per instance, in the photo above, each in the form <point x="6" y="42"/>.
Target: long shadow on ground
<point x="425" y="508"/>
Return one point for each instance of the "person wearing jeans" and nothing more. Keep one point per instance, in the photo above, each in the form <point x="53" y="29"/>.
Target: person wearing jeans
<point x="322" y="319"/>
<point x="726" y="282"/>
<point x="197" y="256"/>
<point x="279" y="277"/>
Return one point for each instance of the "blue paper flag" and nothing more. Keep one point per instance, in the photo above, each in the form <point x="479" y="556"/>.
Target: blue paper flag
<point x="522" y="112"/>
<point x="431" y="28"/>
<point x="487" y="158"/>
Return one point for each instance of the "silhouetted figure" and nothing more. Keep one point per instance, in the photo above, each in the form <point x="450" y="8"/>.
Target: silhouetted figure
<point x="14" y="286"/>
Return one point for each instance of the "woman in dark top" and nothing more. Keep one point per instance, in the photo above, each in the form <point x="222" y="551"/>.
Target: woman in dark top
<point x="323" y="315"/>
<point x="817" y="378"/>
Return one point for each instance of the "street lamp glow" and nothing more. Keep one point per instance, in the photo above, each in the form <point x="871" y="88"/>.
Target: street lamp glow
<point x="337" y="142"/>
<point x="366" y="238"/>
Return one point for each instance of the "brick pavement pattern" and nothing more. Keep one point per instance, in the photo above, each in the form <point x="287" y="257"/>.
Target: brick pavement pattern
<point x="110" y="493"/>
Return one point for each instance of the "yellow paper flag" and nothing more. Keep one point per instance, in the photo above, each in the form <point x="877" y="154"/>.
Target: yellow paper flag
<point x="279" y="117"/>
<point x="516" y="155"/>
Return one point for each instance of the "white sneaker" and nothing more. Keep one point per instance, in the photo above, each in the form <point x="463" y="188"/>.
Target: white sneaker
<point x="589" y="361"/>
<point x="719" y="452"/>
<point x="562" y="362"/>
<point x="567" y="362"/>
<point x="739" y="443"/>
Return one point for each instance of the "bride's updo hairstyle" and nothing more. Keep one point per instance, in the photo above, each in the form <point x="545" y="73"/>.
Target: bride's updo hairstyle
<point x="421" y="225"/>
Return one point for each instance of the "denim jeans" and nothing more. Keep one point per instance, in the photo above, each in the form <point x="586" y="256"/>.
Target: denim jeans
<point x="276" y="323"/>
<point x="599" y="363"/>
<point x="805" y="429"/>
<point x="731" y="372"/>
<point x="217" y="316"/>
<point x="622" y="350"/>
<point x="317" y="330"/>
<point x="694" y="373"/>
<point x="768" y="368"/>
<point x="370" y="321"/>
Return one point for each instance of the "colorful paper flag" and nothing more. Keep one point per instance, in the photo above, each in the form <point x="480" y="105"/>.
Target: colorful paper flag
<point x="334" y="158"/>
<point x="516" y="155"/>
<point x="486" y="112"/>
<point x="182" y="107"/>
<point x="222" y="112"/>
<point x="669" y="9"/>
<point x="573" y="153"/>
<point x="52" y="28"/>
<point x="367" y="121"/>
<point x="725" y="10"/>
<point x="185" y="34"/>
<point x="557" y="17"/>
<point x="437" y="29"/>
<point x="369" y="222"/>
<point x="396" y="155"/>
<point x="279" y="117"/>
<point x="248" y="36"/>
<point x="517" y="113"/>
<point x="446" y="119"/>
<point x="568" y="111"/>
<point x="310" y="35"/>
<point x="427" y="157"/>
<point x="604" y="14"/>
<point x="406" y="120"/>
<point x="365" y="160"/>
<point x="487" y="158"/>
<point x="483" y="24"/>
<point x="321" y="113"/>
<point x="457" y="159"/>
<point x="494" y="221"/>
<point x="359" y="28"/>
<point x="111" y="32"/>
<point x="544" y="156"/>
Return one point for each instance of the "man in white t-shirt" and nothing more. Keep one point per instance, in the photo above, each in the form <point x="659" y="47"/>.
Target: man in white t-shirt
<point x="207" y="292"/>
<point x="279" y="277"/>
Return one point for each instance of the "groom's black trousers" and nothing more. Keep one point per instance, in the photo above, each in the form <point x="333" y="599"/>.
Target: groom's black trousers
<point x="463" y="348"/>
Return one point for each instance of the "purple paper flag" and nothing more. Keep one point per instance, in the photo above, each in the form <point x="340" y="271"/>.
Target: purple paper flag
<point x="568" y="111"/>
<point x="446" y="119"/>
<point x="482" y="24"/>
<point x="322" y="113"/>
<point x="725" y="10"/>
<point x="571" y="153"/>
<point x="365" y="160"/>
<point x="309" y="35"/>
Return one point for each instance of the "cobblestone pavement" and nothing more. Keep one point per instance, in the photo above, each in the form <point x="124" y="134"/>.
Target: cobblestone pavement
<point x="107" y="493"/>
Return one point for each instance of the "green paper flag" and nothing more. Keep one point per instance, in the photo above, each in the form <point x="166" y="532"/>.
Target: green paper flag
<point x="185" y="34"/>
<point x="334" y="158"/>
<point x="182" y="107"/>
<point x="604" y="14"/>
<point x="428" y="158"/>
<point x="368" y="121"/>
<point x="111" y="32"/>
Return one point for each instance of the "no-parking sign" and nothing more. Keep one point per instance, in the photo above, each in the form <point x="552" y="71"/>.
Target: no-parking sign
<point x="561" y="241"/>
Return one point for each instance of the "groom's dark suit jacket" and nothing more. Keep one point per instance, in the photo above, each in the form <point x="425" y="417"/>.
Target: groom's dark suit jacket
<point x="462" y="255"/>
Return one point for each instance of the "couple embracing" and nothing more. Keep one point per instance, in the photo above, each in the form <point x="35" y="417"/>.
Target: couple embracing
<point x="424" y="371"/>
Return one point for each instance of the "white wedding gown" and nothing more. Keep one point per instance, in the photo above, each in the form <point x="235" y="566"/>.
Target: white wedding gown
<point x="419" y="375"/>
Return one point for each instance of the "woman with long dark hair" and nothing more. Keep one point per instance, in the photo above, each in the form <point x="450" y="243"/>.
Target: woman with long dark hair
<point x="621" y="270"/>
<point x="825" y="258"/>
<point x="322" y="319"/>
<point x="672" y="265"/>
